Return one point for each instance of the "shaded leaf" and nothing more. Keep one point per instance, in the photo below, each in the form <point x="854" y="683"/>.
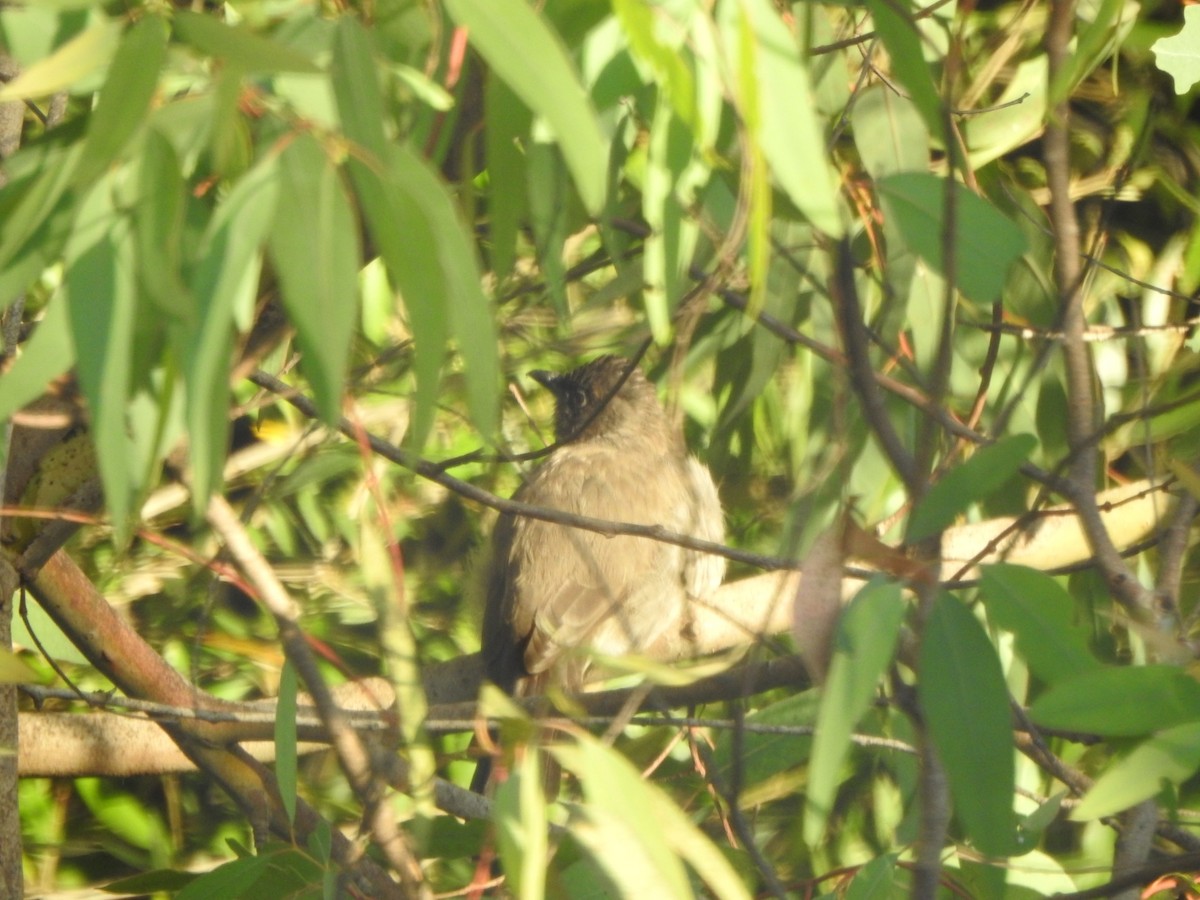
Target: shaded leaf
<point x="988" y="469"/>
<point x="225" y="276"/>
<point x="121" y="108"/>
<point x="285" y="739"/>
<point x="986" y="242"/>
<point x="889" y="132"/>
<point x="423" y="241"/>
<point x="1120" y="702"/>
<point x="898" y="31"/>
<point x="239" y="44"/>
<point x="961" y="682"/>
<point x="102" y="304"/>
<point x="1040" y="613"/>
<point x="43" y="358"/>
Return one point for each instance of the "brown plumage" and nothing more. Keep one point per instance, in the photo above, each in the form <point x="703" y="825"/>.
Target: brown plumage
<point x="555" y="592"/>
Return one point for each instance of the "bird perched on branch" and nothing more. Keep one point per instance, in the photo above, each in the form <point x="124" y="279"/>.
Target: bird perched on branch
<point x="555" y="592"/>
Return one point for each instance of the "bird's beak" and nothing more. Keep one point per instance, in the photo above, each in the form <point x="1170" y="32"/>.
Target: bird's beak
<point x="548" y="380"/>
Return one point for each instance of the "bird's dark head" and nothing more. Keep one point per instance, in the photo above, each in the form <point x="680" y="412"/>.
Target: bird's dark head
<point x="593" y="400"/>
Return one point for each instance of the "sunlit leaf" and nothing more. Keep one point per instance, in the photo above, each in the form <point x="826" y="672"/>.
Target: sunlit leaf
<point x="865" y="642"/>
<point x="530" y="57"/>
<point x="1170" y="756"/>
<point x="792" y="140"/>
<point x="1179" y="55"/>
<point x="83" y="55"/>
<point x="314" y="245"/>
<point x="635" y="830"/>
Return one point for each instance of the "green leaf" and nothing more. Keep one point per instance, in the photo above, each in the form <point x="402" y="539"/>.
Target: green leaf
<point x="285" y="739"/>
<point x="37" y="195"/>
<point x="889" y="132"/>
<point x="519" y="814"/>
<point x="1171" y="756"/>
<point x="250" y="52"/>
<point x="793" y="141"/>
<point x="121" y="108"/>
<point x="423" y="241"/>
<point x="636" y="831"/>
<point x="1040" y="613"/>
<point x="863" y="647"/>
<point x="508" y="127"/>
<point x="640" y="22"/>
<point x="961" y="682"/>
<point x="898" y="31"/>
<point x="1179" y="55"/>
<point x="760" y="756"/>
<point x="668" y="249"/>
<point x="226" y="276"/>
<point x="356" y="89"/>
<point x="78" y="58"/>
<point x="986" y="243"/>
<point x="158" y="227"/>
<point x="472" y="319"/>
<point x="526" y="53"/>
<point x="102" y="304"/>
<point x="45" y="356"/>
<point x="988" y="469"/>
<point x="1120" y="702"/>
<point x="314" y="246"/>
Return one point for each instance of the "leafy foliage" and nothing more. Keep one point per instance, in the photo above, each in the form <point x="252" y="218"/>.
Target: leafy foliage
<point x="829" y="228"/>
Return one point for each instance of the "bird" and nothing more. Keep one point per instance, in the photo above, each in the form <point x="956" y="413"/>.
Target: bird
<point x="556" y="594"/>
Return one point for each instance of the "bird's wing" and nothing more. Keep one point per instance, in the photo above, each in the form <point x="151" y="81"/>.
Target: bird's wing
<point x="578" y="589"/>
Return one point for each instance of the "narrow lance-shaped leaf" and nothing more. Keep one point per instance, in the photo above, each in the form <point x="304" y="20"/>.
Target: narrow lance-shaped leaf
<point x="976" y="479"/>
<point x="125" y="98"/>
<point x="1125" y="701"/>
<point x="75" y="60"/>
<point x="792" y="140"/>
<point x="314" y="246"/>
<point x="966" y="706"/>
<point x="237" y="43"/>
<point x="864" y="644"/>
<point x="422" y="240"/>
<point x="102" y="302"/>
<point x="899" y="34"/>
<point x="1039" y="612"/>
<point x="523" y="50"/>
<point x="1171" y="756"/>
<point x="285" y="738"/>
<point x="986" y="242"/>
<point x="226" y="276"/>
